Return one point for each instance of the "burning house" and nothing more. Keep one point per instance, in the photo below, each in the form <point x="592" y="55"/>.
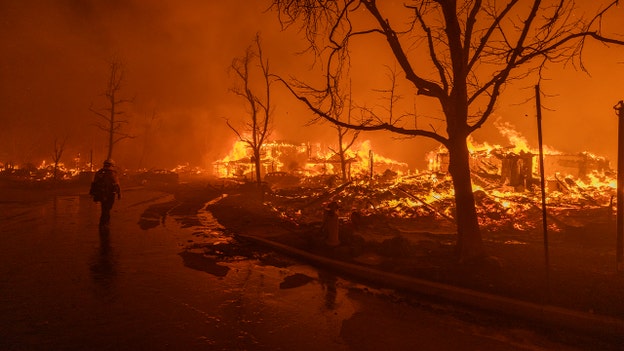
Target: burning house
<point x="579" y="166"/>
<point x="517" y="165"/>
<point x="276" y="157"/>
<point x="306" y="160"/>
<point x="519" y="169"/>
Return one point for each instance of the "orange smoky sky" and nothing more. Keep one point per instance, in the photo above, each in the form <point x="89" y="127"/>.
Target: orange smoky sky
<point x="176" y="54"/>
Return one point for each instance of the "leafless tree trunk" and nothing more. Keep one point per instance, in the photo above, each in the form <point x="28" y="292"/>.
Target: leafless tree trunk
<point x="346" y="136"/>
<point x="256" y="129"/>
<point x="110" y="117"/>
<point x="59" y="147"/>
<point x="472" y="47"/>
<point x="343" y="148"/>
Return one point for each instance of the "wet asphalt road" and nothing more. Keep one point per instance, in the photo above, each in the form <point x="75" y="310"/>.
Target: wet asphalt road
<point x="64" y="285"/>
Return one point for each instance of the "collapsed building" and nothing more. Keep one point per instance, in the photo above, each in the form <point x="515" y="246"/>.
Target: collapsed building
<point x="305" y="160"/>
<point x="520" y="169"/>
<point x="277" y="157"/>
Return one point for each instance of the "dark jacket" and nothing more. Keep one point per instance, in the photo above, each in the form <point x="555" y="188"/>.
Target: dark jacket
<point x="105" y="185"/>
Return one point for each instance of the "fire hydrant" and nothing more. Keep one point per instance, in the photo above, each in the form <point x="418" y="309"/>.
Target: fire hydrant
<point x="331" y="224"/>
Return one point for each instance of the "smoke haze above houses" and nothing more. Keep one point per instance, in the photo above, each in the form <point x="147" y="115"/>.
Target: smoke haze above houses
<point x="176" y="56"/>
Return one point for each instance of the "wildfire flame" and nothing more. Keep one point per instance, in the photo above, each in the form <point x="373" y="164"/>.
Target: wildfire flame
<point x="504" y="200"/>
<point x="307" y="160"/>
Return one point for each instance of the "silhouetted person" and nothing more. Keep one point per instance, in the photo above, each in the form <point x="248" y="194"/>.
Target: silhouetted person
<point x="104" y="187"/>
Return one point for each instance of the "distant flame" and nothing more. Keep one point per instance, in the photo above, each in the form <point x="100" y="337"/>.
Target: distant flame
<point x="305" y="159"/>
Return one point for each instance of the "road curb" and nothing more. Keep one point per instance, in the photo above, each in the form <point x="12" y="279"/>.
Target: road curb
<point x="544" y="314"/>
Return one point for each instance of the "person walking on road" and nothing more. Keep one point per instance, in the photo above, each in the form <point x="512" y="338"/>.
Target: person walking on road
<point x="104" y="187"/>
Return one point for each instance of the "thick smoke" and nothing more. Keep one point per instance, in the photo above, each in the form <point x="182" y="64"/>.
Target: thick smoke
<point x="176" y="56"/>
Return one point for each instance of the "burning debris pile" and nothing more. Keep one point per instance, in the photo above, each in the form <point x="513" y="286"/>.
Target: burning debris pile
<point x="44" y="172"/>
<point x="425" y="202"/>
<point x="81" y="173"/>
<point x="580" y="192"/>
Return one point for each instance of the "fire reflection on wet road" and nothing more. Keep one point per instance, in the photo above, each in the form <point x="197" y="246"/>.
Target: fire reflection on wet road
<point x="65" y="285"/>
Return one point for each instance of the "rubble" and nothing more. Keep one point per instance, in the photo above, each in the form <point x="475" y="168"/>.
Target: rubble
<point x="425" y="202"/>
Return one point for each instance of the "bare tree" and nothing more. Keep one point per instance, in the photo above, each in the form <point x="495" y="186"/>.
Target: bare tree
<point x="59" y="147"/>
<point x="256" y="129"/>
<point x="345" y="142"/>
<point x="110" y="116"/>
<point x="458" y="53"/>
<point x="336" y="108"/>
<point x="346" y="136"/>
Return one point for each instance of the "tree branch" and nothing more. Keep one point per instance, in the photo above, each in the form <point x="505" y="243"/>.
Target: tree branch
<point x="364" y="127"/>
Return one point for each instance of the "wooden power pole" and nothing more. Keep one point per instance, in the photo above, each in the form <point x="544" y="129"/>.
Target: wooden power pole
<point x="619" y="109"/>
<point x="543" y="187"/>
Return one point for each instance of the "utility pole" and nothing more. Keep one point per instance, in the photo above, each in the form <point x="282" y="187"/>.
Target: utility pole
<point x="619" y="252"/>
<point x="543" y="186"/>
